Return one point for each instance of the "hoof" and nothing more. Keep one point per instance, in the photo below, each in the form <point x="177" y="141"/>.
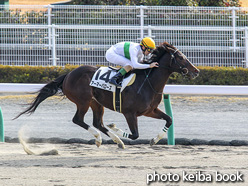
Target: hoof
<point x="152" y="142"/>
<point x="98" y="143"/>
<point x="121" y="145"/>
<point x="111" y="126"/>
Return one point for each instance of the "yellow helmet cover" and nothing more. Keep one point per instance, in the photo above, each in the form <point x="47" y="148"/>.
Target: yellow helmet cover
<point x="148" y="43"/>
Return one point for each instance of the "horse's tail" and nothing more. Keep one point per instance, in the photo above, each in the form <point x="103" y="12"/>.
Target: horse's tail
<point x="48" y="90"/>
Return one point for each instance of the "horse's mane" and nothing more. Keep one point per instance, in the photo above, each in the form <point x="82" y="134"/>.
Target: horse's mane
<point x="160" y="50"/>
<point x="156" y="55"/>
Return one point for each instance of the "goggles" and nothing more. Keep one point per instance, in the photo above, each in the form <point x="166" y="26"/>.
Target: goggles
<point x="150" y="50"/>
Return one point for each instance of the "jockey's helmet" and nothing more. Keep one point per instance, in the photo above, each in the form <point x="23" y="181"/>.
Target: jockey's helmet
<point x="148" y="43"/>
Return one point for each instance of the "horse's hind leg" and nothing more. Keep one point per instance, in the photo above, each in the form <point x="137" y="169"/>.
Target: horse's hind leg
<point x="98" y="111"/>
<point x="79" y="120"/>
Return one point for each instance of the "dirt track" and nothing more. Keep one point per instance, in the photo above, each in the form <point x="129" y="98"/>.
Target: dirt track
<point x="195" y="117"/>
<point x="79" y="165"/>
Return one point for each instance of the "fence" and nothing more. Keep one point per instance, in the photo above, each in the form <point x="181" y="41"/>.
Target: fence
<point x="60" y="35"/>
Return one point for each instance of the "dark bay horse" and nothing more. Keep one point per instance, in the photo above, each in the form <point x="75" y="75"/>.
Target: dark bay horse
<point x="141" y="98"/>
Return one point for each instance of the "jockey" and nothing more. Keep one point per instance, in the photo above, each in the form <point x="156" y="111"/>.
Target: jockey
<point x="129" y="55"/>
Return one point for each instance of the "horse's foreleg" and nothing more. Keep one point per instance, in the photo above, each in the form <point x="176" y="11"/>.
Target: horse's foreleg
<point x="133" y="126"/>
<point x="158" y="114"/>
<point x="116" y="139"/>
<point x="118" y="131"/>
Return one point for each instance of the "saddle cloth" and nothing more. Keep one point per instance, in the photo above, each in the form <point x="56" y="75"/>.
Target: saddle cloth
<point x="102" y="76"/>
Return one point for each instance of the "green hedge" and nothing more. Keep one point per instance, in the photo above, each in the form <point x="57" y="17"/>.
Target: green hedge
<point x="30" y="74"/>
<point x="214" y="76"/>
<point x="208" y="75"/>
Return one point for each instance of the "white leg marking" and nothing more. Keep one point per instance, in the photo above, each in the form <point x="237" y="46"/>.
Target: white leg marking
<point x="119" y="132"/>
<point x="159" y="136"/>
<point x="116" y="139"/>
<point x="97" y="135"/>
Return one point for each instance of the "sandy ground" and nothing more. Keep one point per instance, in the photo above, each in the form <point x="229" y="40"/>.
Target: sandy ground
<point x="78" y="165"/>
<point x="195" y="117"/>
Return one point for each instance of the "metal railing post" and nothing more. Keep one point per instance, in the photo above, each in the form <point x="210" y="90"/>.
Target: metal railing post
<point x="142" y="16"/>
<point x="49" y="22"/>
<point x="1" y="127"/>
<point x="168" y="110"/>
<point x="150" y="31"/>
<point x="54" y="54"/>
<point x="234" y="17"/>
<point x="246" y="46"/>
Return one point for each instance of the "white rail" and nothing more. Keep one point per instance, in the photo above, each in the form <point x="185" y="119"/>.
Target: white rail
<point x="20" y="87"/>
<point x="168" y="89"/>
<point x="206" y="90"/>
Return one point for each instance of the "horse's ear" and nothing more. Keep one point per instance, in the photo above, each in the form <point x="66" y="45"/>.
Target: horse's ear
<point x="155" y="53"/>
<point x="166" y="48"/>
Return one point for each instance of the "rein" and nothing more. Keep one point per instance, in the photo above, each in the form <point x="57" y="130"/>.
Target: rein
<point x="182" y="70"/>
<point x="147" y="78"/>
<point x="147" y="75"/>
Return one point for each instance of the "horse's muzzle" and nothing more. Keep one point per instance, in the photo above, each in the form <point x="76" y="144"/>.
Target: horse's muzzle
<point x="194" y="73"/>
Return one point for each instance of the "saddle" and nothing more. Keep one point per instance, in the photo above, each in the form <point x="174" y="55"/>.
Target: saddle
<point x="101" y="79"/>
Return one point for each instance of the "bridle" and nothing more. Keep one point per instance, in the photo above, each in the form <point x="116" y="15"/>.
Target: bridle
<point x="182" y="69"/>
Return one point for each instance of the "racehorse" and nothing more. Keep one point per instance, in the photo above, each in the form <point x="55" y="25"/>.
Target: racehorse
<point x="141" y="98"/>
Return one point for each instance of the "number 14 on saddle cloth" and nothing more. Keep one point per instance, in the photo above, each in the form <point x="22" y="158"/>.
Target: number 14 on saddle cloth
<point x="102" y="76"/>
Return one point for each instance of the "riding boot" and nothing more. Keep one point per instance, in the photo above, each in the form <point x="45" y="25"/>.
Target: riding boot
<point x="115" y="80"/>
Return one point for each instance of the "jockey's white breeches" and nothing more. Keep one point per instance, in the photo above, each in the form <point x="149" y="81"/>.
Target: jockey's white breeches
<point x="117" y="59"/>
